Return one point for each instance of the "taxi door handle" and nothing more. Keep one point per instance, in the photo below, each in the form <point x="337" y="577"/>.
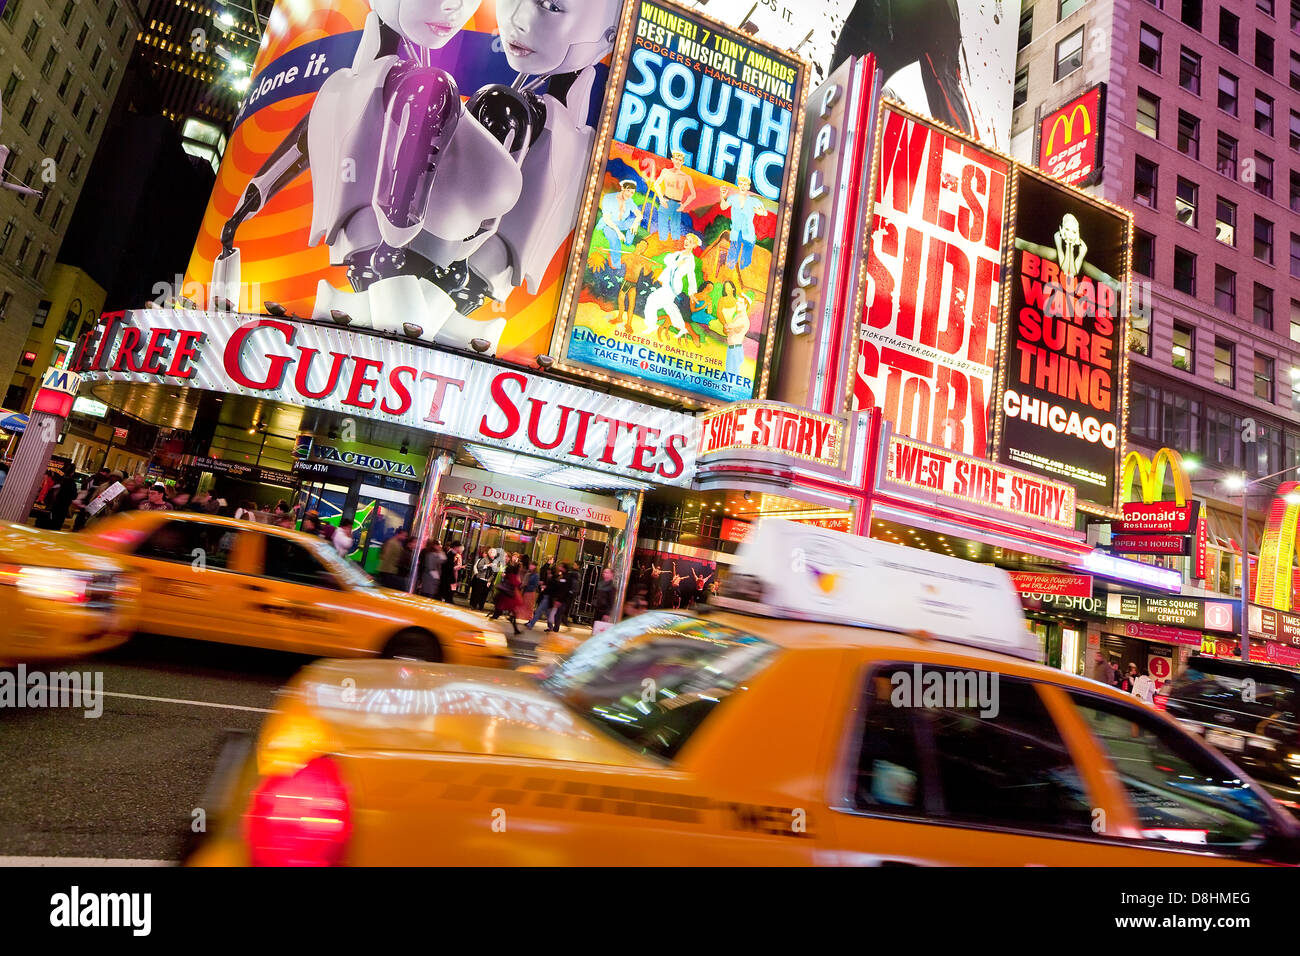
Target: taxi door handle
<point x="256" y="587"/>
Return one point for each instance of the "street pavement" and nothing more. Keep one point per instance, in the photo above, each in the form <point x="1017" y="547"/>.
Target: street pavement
<point x="124" y="786"/>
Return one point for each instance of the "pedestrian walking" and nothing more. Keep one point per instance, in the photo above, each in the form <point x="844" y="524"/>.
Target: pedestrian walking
<point x="483" y="573"/>
<point x="390" y="561"/>
<point x="342" y="538"/>
<point x="451" y="571"/>
<point x="431" y="578"/>
<point x="559" y="590"/>
<point x="1144" y="688"/>
<point x="509" y="597"/>
<point x="602" y="606"/>
<point x="532" y="583"/>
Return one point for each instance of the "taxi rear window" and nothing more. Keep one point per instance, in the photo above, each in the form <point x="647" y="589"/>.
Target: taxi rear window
<point x="652" y="680"/>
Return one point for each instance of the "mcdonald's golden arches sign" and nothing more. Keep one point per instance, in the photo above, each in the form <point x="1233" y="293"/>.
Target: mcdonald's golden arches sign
<point x="1069" y="138"/>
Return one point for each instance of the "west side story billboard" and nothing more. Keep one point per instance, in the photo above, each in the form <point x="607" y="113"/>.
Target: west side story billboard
<point x="927" y="342"/>
<point x="1060" y="411"/>
<point x="677" y="268"/>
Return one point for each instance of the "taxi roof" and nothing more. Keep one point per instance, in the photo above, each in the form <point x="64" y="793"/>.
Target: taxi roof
<point x="234" y="524"/>
<point x="805" y="573"/>
<point x="810" y="636"/>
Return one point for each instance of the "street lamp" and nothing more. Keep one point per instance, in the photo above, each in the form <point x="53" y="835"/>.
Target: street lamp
<point x="1240" y="483"/>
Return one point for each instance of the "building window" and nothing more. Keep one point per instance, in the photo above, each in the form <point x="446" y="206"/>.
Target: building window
<point x="1185" y="202"/>
<point x="1228" y="93"/>
<point x="78" y="103"/>
<point x="1148" y="114"/>
<point x="112" y="15"/>
<point x="1295" y="319"/>
<point x="68" y="7"/>
<point x="28" y="112"/>
<point x="82" y="34"/>
<point x="1229" y="30"/>
<point x="1069" y="55"/>
<point x="1264" y="6"/>
<point x="1026" y="32"/>
<point x="1263" y="378"/>
<point x="1067" y="7"/>
<point x="11" y="87"/>
<point x="10" y="12"/>
<point x="1144" y="412"/>
<point x="1264" y="51"/>
<point x="1189" y="134"/>
<point x="1021" y="91"/>
<point x="1225" y="363"/>
<point x="39" y="265"/>
<point x="1295" y="71"/>
<point x="1295" y="131"/>
<point x="1223" y="443"/>
<point x="1295" y="16"/>
<point x="63" y="148"/>
<point x="1181" y="427"/>
<point x="1184" y="271"/>
<point x="1263" y="306"/>
<point x="75" y="171"/>
<point x="46" y="130"/>
<point x="1263" y="240"/>
<point x="57" y="216"/>
<point x="108" y="76"/>
<point x="1192" y="13"/>
<point x="7" y="232"/>
<point x="1225" y="221"/>
<point x="1263" y="175"/>
<point x="94" y="118"/>
<point x="65" y="83"/>
<point x="1295" y="192"/>
<point x="1225" y="289"/>
<point x="1144" y="253"/>
<point x="23" y="246"/>
<point x="1226" y="157"/>
<point x="1144" y="181"/>
<point x="39" y="209"/>
<point x="1139" y="332"/>
<point x="48" y="63"/>
<point x="1189" y="71"/>
<point x="29" y="41"/>
<point x="1263" y="113"/>
<point x="95" y="57"/>
<point x="1148" y="47"/>
<point x="1184" y="354"/>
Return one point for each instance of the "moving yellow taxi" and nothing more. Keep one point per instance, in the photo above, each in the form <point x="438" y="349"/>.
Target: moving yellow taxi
<point x="240" y="582"/>
<point x="745" y="737"/>
<point x="60" y="598"/>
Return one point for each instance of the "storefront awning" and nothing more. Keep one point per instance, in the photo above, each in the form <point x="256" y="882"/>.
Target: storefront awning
<point x="12" y="421"/>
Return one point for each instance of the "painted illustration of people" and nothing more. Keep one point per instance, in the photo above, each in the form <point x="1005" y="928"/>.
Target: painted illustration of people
<point x="744" y="207"/>
<point x="619" y="217"/>
<point x="1070" y="252"/>
<point x="701" y="311"/>
<point x="639" y="265"/>
<point x="679" y="268"/>
<point x="733" y="312"/>
<point x="676" y="191"/>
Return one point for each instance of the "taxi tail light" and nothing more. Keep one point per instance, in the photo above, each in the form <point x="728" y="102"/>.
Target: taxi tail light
<point x="303" y="819"/>
<point x="1161" y="701"/>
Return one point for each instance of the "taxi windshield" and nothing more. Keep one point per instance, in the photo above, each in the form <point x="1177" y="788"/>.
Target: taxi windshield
<point x="348" y="572"/>
<point x="653" y="679"/>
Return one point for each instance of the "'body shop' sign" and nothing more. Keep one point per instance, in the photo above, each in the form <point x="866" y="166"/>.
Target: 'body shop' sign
<point x="929" y="328"/>
<point x="316" y="366"/>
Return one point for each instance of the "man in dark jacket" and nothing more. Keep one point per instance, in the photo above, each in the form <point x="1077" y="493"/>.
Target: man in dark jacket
<point x="559" y="590"/>
<point x="602" y="607"/>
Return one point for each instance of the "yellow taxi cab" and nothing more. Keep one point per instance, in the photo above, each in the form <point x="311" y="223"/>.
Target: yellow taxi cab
<point x="240" y="582"/>
<point x="59" y="598"/>
<point x="837" y="734"/>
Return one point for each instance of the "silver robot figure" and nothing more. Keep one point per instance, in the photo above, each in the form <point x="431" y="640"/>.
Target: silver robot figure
<point x="435" y="206"/>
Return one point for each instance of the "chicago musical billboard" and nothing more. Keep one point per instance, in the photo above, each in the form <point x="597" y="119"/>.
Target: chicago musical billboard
<point x="410" y="169"/>
<point x="1061" y="385"/>
<point x="928" y="334"/>
<point x="682" y="239"/>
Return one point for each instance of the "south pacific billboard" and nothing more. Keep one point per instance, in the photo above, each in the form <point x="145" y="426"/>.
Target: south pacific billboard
<point x="676" y="272"/>
<point x="927" y="340"/>
<point x="1061" y="401"/>
<point x="411" y="169"/>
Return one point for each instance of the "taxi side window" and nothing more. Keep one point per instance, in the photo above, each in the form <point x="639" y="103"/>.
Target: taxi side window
<point x="1180" y="791"/>
<point x="289" y="561"/>
<point x="983" y="751"/>
<point x="188" y="542"/>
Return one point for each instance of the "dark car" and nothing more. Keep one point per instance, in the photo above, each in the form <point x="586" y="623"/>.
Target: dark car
<point x="1249" y="712"/>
